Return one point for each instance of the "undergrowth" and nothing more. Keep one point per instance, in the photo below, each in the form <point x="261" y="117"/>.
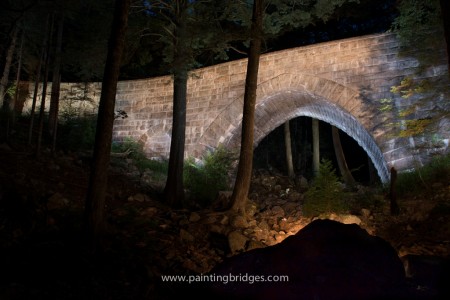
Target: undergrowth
<point x="423" y="178"/>
<point x="206" y="178"/>
<point x="326" y="193"/>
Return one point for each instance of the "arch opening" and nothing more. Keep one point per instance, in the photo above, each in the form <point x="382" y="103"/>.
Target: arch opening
<point x="276" y="109"/>
<point x="270" y="153"/>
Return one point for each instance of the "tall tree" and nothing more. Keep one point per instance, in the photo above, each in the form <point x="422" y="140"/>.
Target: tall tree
<point x="13" y="101"/>
<point x="243" y="178"/>
<point x="181" y="32"/>
<point x="181" y="59"/>
<point x="419" y="25"/>
<point x="288" y="146"/>
<point x="316" y="146"/>
<point x="445" y="13"/>
<point x="44" y="89"/>
<point x="54" y="99"/>
<point x="340" y="157"/>
<point x="37" y="80"/>
<point x="7" y="67"/>
<point x="95" y="224"/>
<point x="279" y="16"/>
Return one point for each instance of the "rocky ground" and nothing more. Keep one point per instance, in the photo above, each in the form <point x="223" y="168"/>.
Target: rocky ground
<point x="43" y="257"/>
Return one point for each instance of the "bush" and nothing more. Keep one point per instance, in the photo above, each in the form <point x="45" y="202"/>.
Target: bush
<point x="437" y="170"/>
<point x="77" y="134"/>
<point x="204" y="180"/>
<point x="136" y="151"/>
<point x="137" y="154"/>
<point x="326" y="194"/>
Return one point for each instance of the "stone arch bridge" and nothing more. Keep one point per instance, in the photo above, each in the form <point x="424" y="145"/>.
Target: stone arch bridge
<point x="346" y="83"/>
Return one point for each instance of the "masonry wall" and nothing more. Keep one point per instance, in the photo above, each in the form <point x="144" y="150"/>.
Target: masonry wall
<point x="352" y="74"/>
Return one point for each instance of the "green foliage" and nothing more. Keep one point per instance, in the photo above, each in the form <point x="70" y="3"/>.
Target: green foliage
<point x="410" y="123"/>
<point x="204" y="180"/>
<point x="11" y="91"/>
<point x="408" y="87"/>
<point x="77" y="133"/>
<point x="422" y="178"/>
<point x="70" y="110"/>
<point x="413" y="94"/>
<point x="386" y="105"/>
<point x="136" y="152"/>
<point x="285" y="15"/>
<point x="419" y="26"/>
<point x="129" y="145"/>
<point x="326" y="194"/>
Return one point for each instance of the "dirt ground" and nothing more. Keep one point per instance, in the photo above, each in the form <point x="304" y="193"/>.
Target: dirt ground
<point x="42" y="247"/>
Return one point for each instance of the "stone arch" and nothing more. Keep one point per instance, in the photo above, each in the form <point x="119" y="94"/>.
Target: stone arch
<point x="287" y="96"/>
<point x="299" y="104"/>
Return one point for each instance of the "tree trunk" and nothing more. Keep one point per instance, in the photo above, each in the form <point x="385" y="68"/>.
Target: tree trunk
<point x="395" y="210"/>
<point x="287" y="142"/>
<point x="174" y="189"/>
<point x="340" y="157"/>
<point x="373" y="175"/>
<point x="445" y="10"/>
<point x="244" y="173"/>
<point x="44" y="91"/>
<point x="9" y="57"/>
<point x="54" y="99"/>
<point x="316" y="146"/>
<point x="37" y="80"/>
<point x="12" y="103"/>
<point x="95" y="224"/>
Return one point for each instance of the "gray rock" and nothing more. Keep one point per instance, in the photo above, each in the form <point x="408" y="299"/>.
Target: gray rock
<point x="237" y="242"/>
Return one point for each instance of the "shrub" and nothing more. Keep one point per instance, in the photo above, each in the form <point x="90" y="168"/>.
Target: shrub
<point x="326" y="193"/>
<point x="136" y="151"/>
<point x="422" y="178"/>
<point x="77" y="133"/>
<point x="205" y="179"/>
<point x="137" y="154"/>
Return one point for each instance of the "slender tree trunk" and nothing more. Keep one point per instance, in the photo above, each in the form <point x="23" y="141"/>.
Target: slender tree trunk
<point x="95" y="224"/>
<point x="37" y="81"/>
<point x="54" y="99"/>
<point x="288" y="145"/>
<point x="395" y="210"/>
<point x="316" y="146"/>
<point x="9" y="57"/>
<point x="174" y="189"/>
<point x="372" y="171"/>
<point x="244" y="173"/>
<point x="44" y="91"/>
<point x="340" y="157"/>
<point x="13" y="101"/>
<point x="445" y="10"/>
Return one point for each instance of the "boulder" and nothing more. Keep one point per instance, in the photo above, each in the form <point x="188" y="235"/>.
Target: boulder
<point x="324" y="260"/>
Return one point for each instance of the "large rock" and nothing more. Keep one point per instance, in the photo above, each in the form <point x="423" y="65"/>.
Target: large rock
<point x="324" y="260"/>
